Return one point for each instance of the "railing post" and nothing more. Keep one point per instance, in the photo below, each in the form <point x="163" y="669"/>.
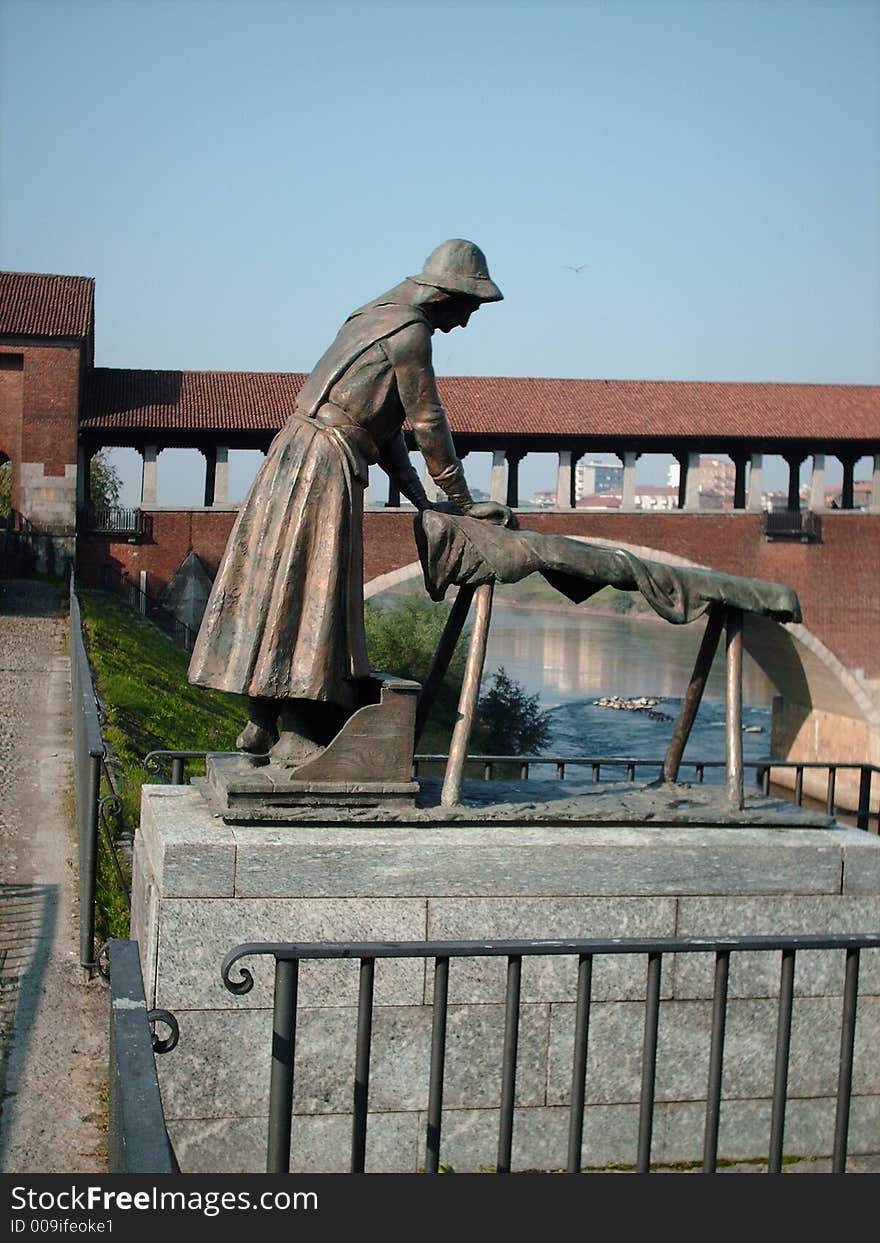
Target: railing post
<point x="281" y="1075"/>
<point x="734" y="626"/>
<point x="88" y="863"/>
<point x="137" y="1139"/>
<point x="863" y="820"/>
<point x="649" y="1062"/>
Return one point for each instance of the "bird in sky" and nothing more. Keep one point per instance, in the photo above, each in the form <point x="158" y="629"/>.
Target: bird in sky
<point x="572" y="268"/>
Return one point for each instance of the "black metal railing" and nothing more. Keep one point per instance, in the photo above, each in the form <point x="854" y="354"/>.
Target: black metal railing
<point x="610" y="767"/>
<point x="88" y="755"/>
<point x="138" y="1142"/>
<point x="117" y="582"/>
<point x="18" y="551"/>
<point x="287" y="958"/>
<point x="130" y="524"/>
<point x="95" y="811"/>
<point x="799" y="524"/>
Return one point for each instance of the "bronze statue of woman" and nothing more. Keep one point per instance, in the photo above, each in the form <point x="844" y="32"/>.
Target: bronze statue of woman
<point x="284" y="624"/>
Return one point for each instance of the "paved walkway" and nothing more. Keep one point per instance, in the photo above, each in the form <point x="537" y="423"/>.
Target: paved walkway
<point x="53" y="1024"/>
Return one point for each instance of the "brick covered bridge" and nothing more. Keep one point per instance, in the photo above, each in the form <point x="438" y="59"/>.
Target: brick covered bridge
<point x="57" y="409"/>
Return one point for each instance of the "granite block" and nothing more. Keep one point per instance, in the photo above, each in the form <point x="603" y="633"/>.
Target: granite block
<point x="546" y="978"/>
<point x="196" y="935"/>
<point x="400" y="1058"/>
<point x="744" y="1129"/>
<point x="568" y="860"/>
<point x="192" y="852"/>
<point x="144" y="923"/>
<point x="614" y="1063"/>
<point x="319" y="1145"/>
<point x="864" y="1124"/>
<point x="201" y="1081"/>
<point x="861" y="861"/>
<point x="220" y="1068"/>
<point x="469" y="1138"/>
<point x="756" y="974"/>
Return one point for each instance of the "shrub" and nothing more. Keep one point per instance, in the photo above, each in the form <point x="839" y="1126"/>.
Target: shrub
<point x="511" y="721"/>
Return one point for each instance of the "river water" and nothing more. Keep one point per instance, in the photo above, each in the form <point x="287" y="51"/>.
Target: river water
<point x="572" y="658"/>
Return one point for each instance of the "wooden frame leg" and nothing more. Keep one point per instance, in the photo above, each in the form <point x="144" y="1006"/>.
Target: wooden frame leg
<point x="734" y="629"/>
<point x="451" y="633"/>
<point x="470" y="690"/>
<point x="694" y="693"/>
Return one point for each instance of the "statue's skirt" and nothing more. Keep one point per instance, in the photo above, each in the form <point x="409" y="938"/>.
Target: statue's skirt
<point x="285" y="616"/>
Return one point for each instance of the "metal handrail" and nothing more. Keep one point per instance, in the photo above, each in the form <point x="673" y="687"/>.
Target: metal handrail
<point x="94" y="812"/>
<point x="863" y="814"/>
<point x="116" y="520"/>
<point x="288" y="956"/>
<point x="138" y="1142"/>
<point x="88" y="756"/>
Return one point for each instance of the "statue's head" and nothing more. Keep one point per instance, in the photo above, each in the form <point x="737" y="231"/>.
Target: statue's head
<point x="459" y="267"/>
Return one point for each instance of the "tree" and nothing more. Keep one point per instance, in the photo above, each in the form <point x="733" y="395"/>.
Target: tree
<point x="512" y="722"/>
<point x="104" y="481"/>
<point x="5" y="489"/>
<point x="403" y="637"/>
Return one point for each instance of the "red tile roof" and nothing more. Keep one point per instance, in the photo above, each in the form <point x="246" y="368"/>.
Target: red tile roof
<point x="35" y="304"/>
<point x="201" y="400"/>
<point x="503" y="406"/>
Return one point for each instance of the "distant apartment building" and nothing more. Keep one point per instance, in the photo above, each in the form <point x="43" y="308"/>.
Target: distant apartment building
<point x="597" y="478"/>
<point x="717" y="480"/>
<point x="656" y="496"/>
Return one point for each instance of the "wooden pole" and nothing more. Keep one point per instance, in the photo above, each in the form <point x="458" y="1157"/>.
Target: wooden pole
<point x="470" y="690"/>
<point x="451" y="633"/>
<point x="734" y="627"/>
<point x="694" y="693"/>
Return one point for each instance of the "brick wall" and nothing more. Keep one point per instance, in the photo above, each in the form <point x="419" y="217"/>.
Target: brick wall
<point x="39" y="409"/>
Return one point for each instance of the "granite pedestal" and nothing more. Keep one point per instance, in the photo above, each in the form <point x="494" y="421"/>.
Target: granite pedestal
<point x="203" y="886"/>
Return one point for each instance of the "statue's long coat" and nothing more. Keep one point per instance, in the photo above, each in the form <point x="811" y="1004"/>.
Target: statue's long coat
<point x="285" y="616"/>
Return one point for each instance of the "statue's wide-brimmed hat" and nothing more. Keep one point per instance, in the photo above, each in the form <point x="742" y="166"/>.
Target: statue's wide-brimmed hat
<point x="459" y="267"/>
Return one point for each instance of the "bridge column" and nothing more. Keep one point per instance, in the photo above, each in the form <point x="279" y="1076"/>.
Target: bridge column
<point x="847" y="497"/>
<point x="739" y="481"/>
<point x="689" y="480"/>
<point x="875" y="486"/>
<point x="817" y="483"/>
<point x="216" y="475"/>
<point x="149" y="475"/>
<point x="498" y="486"/>
<point x="628" y="495"/>
<point x="513" y="461"/>
<point x="83" y="476"/>
<point x="210" y="456"/>
<point x="565" y="480"/>
<point x="756" y="481"/>
<point x="221" y="476"/>
<point x="794" y="483"/>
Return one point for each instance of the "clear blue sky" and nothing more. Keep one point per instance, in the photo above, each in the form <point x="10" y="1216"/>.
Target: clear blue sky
<point x="239" y="174"/>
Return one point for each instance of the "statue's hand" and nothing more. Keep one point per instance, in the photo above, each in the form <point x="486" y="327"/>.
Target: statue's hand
<point x="494" y="511"/>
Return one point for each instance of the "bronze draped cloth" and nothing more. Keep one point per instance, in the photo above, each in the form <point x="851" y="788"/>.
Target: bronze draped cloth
<point x="461" y="550"/>
<point x="285" y="618"/>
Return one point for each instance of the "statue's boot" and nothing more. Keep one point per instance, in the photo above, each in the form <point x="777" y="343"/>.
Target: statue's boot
<point x="261" y="731"/>
<point x="292" y="750"/>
